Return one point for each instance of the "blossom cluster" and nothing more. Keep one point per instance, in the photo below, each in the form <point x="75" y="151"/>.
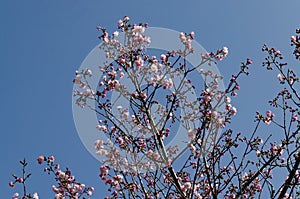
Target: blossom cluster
<point x="187" y="39"/>
<point x="219" y="55"/>
<point x="81" y="81"/>
<point x="295" y="41"/>
<point x="67" y="186"/>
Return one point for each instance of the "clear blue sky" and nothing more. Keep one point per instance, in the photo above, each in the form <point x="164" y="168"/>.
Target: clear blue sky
<point x="43" y="42"/>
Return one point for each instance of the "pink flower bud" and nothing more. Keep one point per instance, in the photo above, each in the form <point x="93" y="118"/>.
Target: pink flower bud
<point x="192" y="35"/>
<point x="11" y="184"/>
<point x="163" y="57"/>
<point x="294" y="118"/>
<point x="20" y="180"/>
<point x="249" y="61"/>
<point x="57" y="166"/>
<point x="116" y="33"/>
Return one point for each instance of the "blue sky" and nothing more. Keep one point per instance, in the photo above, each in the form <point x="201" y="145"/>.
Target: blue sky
<point x="43" y="42"/>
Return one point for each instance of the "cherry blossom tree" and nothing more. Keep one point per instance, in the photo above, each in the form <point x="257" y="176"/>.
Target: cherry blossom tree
<point x="137" y="163"/>
<point x="158" y="93"/>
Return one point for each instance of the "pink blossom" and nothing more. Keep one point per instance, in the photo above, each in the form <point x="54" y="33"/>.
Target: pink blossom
<point x="221" y="54"/>
<point x="41" y="159"/>
<point x="103" y="171"/>
<point x="270" y="114"/>
<point x="205" y="55"/>
<point x="234" y="94"/>
<point x="20" y="180"/>
<point x="225" y="51"/>
<point x="294" y="118"/>
<point x="192" y="35"/>
<point x="139" y="63"/>
<point x="120" y="23"/>
<point x="77" y="79"/>
<point x="15" y="196"/>
<point x="88" y="92"/>
<point x="91" y="188"/>
<point x="101" y="127"/>
<point x="138" y="29"/>
<point x="113" y="84"/>
<point x="156" y="156"/>
<point x="135" y="95"/>
<point x="258" y="153"/>
<point x="116" y="33"/>
<point x="89" y="193"/>
<point x="277" y="52"/>
<point x="191" y="134"/>
<point x="154" y="68"/>
<point x="187" y="185"/>
<point x="182" y="37"/>
<point x="11" y="184"/>
<point x="228" y="106"/>
<point x="143" y="95"/>
<point x="59" y="196"/>
<point x="233" y="111"/>
<point x="51" y="158"/>
<point x="55" y="189"/>
<point x="120" y="141"/>
<point x="89" y="72"/>
<point x="227" y="99"/>
<point x="245" y="177"/>
<point x="192" y="147"/>
<point x="35" y="196"/>
<point x="167" y="132"/>
<point x="112" y="74"/>
<point x="276" y="150"/>
<point x="163" y="57"/>
<point x="267" y="121"/>
<point x="249" y="61"/>
<point x="106" y="40"/>
<point x="168" y="84"/>
<point x="122" y="61"/>
<point x="279" y="77"/>
<point x="220" y="123"/>
<point x="126" y="19"/>
<point x="98" y="144"/>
